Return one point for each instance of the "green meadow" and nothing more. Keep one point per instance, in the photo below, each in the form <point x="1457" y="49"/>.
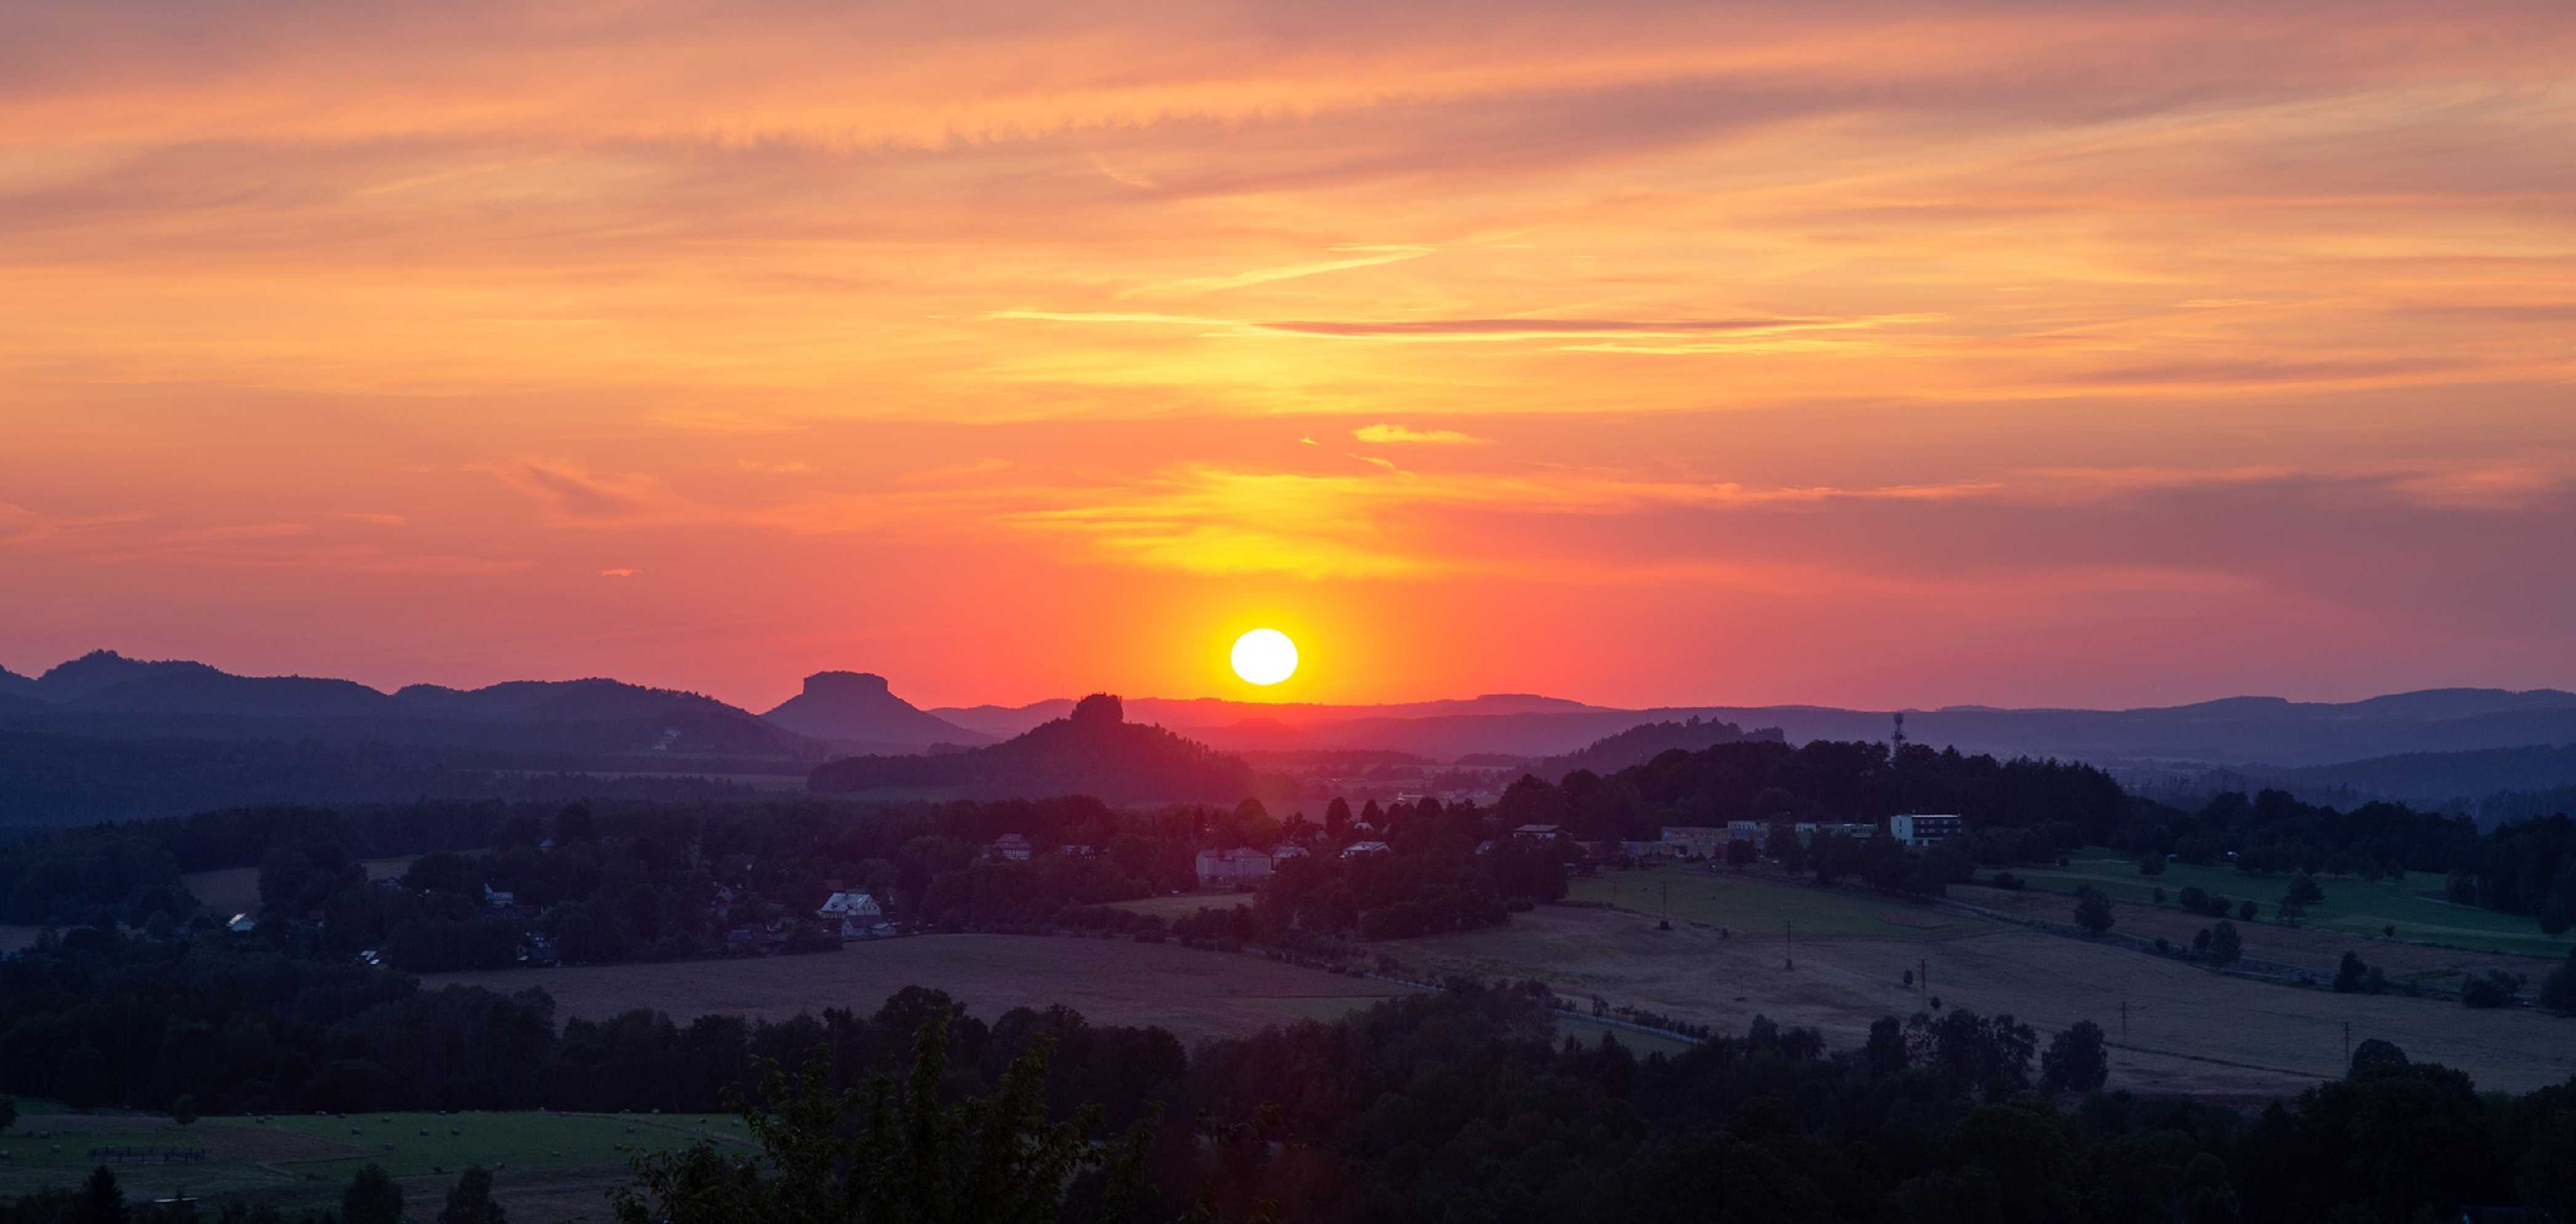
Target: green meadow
<point x="2416" y="905"/>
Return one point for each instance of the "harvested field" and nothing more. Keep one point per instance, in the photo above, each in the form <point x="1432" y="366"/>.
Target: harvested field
<point x="306" y="1160"/>
<point x="1194" y="994"/>
<point x="2188" y="1030"/>
<point x="1769" y="908"/>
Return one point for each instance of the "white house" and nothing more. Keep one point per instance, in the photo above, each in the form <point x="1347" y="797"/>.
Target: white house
<point x="242" y="924"/>
<point x="1920" y="831"/>
<point x="841" y="906"/>
<point x="1242" y="865"/>
<point x="1704" y="841"/>
<point x="499" y="899"/>
<point x="1362" y="849"/>
<point x="1012" y="847"/>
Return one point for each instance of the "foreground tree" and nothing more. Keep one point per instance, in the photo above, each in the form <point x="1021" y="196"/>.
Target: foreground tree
<point x="894" y="1152"/>
<point x="101" y="1200"/>
<point x="470" y="1200"/>
<point x="2075" y="1060"/>
<point x="372" y="1198"/>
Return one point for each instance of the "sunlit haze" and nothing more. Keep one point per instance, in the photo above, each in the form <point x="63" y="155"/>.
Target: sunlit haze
<point x="1865" y="353"/>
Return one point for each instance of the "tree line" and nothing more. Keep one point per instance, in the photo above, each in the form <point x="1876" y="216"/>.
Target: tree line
<point x="1467" y="1104"/>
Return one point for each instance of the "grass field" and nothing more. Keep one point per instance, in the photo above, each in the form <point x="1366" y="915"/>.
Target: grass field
<point x="308" y="1160"/>
<point x="2416" y="905"/>
<point x="1766" y="909"/>
<point x="1112" y="981"/>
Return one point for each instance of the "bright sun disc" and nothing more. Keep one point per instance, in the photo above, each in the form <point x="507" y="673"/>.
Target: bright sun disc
<point x="1265" y="656"/>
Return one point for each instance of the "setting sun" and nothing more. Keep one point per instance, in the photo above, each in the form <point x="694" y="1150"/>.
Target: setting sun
<point x="1265" y="656"/>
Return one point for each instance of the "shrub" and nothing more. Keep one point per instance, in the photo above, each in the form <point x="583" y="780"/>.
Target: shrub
<point x="2494" y="988"/>
<point x="2092" y="910"/>
<point x="2225" y="945"/>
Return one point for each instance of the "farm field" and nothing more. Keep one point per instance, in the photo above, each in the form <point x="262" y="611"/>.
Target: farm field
<point x="2187" y="1030"/>
<point x="1768" y="909"/>
<point x="2317" y="949"/>
<point x="235" y="890"/>
<point x="2416" y="905"/>
<point x="1194" y="994"/>
<point x="307" y="1160"/>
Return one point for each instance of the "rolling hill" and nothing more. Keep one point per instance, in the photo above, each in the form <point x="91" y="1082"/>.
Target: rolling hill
<point x="1092" y="751"/>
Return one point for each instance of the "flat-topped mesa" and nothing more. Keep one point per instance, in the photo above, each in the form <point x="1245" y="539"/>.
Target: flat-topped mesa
<point x="845" y="684"/>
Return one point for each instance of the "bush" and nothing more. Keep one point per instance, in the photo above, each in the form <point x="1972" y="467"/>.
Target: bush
<point x="2092" y="910"/>
<point x="2225" y="945"/>
<point x="2248" y="912"/>
<point x="2151" y="864"/>
<point x="2008" y="882"/>
<point x="2558" y="994"/>
<point x="2494" y="988"/>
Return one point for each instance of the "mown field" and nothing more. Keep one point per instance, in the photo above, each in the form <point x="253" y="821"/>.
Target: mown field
<point x="1761" y="908"/>
<point x="1112" y="981"/>
<point x="2416" y="905"/>
<point x="540" y="1158"/>
<point x="2188" y="1030"/>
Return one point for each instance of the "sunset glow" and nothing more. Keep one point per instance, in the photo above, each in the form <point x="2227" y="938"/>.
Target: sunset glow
<point x="1866" y="353"/>
<point x="1264" y="657"/>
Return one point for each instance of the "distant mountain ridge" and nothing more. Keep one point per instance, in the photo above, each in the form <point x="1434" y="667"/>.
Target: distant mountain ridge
<point x="107" y="695"/>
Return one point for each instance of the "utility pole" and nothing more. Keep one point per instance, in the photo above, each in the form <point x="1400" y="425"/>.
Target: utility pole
<point x="2347" y="1043"/>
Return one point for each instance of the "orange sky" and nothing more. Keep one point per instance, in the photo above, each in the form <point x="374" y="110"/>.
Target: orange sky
<point x="1863" y="353"/>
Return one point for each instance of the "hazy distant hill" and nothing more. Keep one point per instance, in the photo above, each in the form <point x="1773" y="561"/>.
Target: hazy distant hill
<point x="14" y="685"/>
<point x="106" y="682"/>
<point x="1091" y="751"/>
<point x="1640" y="744"/>
<point x="859" y="707"/>
<point x="555" y="701"/>
<point x="108" y="697"/>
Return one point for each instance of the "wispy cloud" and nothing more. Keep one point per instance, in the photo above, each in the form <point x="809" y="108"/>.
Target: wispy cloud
<point x="1402" y="435"/>
<point x="1370" y="258"/>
